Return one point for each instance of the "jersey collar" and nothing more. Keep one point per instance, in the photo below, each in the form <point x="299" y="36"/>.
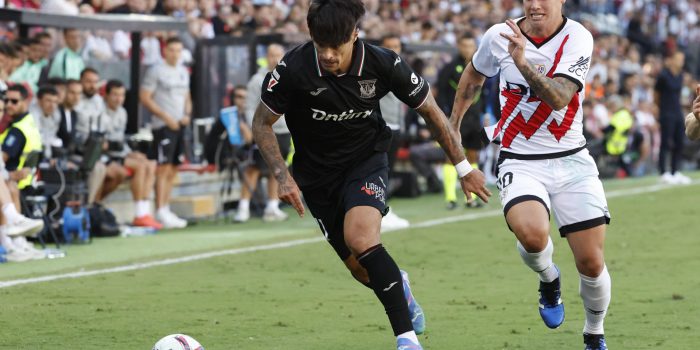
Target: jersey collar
<point x="538" y="45"/>
<point x="358" y="61"/>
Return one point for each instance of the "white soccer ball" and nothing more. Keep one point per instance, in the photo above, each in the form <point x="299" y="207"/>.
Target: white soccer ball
<point x="177" y="342"/>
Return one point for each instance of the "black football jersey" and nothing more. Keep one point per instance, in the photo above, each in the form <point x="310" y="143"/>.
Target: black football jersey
<point x="335" y="121"/>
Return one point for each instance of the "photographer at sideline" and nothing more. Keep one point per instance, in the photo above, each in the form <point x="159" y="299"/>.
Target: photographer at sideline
<point x="692" y="120"/>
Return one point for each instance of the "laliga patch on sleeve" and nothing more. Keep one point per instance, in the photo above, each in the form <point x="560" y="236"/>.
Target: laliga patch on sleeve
<point x="10" y="141"/>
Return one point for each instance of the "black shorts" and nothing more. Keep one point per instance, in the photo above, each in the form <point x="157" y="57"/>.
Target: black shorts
<point x="285" y="142"/>
<point x="364" y="185"/>
<point x="168" y="146"/>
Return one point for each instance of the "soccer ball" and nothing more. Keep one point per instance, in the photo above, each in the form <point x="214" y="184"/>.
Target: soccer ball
<point x="177" y="342"/>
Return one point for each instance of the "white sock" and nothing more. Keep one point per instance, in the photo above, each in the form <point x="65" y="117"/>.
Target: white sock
<point x="410" y="335"/>
<point x="273" y="204"/>
<point x="541" y="262"/>
<point x="244" y="204"/>
<point x="146" y="206"/>
<point x="165" y="210"/>
<point x="10" y="212"/>
<point x="140" y="209"/>
<point x="595" y="293"/>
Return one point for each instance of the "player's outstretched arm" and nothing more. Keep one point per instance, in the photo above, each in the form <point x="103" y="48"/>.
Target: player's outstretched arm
<point x="557" y="92"/>
<point x="269" y="148"/>
<point x="474" y="181"/>
<point x="470" y="84"/>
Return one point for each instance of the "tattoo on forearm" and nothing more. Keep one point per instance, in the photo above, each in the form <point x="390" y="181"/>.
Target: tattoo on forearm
<point x="440" y="129"/>
<point x="267" y="143"/>
<point x="470" y="92"/>
<point x="555" y="92"/>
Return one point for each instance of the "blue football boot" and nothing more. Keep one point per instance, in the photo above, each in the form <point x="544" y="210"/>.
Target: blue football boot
<point x="414" y="310"/>
<point x="551" y="305"/>
<point x="594" y="342"/>
<point x="407" y="344"/>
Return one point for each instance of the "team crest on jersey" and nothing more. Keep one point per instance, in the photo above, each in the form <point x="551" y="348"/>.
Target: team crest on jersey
<point x="541" y="69"/>
<point x="367" y="88"/>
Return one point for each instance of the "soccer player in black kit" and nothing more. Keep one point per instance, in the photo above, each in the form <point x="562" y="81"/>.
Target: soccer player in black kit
<point x="329" y="91"/>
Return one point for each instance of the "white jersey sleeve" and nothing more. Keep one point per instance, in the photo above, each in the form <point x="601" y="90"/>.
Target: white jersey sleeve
<point x="576" y="59"/>
<point x="484" y="61"/>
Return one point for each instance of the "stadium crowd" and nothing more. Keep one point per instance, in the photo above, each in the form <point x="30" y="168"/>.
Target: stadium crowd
<point x="646" y="63"/>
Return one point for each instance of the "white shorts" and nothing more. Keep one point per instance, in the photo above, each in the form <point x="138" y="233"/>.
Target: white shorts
<point x="569" y="185"/>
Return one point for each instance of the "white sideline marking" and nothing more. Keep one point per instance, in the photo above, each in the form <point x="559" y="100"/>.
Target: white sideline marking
<point x="293" y="243"/>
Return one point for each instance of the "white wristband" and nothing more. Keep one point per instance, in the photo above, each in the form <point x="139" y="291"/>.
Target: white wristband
<point x="463" y="168"/>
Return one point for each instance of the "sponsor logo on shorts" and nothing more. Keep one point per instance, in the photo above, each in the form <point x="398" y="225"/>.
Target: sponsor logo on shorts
<point x="372" y="189"/>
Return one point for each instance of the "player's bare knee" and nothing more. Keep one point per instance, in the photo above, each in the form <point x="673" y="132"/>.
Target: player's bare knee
<point x="533" y="236"/>
<point x="590" y="265"/>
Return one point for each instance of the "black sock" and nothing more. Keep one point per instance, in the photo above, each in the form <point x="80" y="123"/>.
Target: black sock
<point x="387" y="284"/>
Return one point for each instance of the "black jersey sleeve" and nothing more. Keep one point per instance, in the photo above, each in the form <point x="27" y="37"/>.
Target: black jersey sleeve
<point x="408" y="86"/>
<point x="276" y="89"/>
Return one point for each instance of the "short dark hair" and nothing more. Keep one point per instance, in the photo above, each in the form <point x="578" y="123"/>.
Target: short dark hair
<point x="19" y="88"/>
<point x="113" y="84"/>
<point x="173" y="40"/>
<point x="46" y="90"/>
<point x="55" y="81"/>
<point x="467" y="35"/>
<point x="42" y="35"/>
<point x="70" y="82"/>
<point x="332" y="22"/>
<point x="88" y="70"/>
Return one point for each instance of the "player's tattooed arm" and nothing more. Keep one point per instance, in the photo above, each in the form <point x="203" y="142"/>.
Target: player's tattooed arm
<point x="469" y="87"/>
<point x="474" y="181"/>
<point x="269" y="148"/>
<point x="441" y="129"/>
<point x="557" y="92"/>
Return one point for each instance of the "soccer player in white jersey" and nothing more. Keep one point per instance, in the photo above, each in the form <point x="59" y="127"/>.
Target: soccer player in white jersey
<point x="543" y="59"/>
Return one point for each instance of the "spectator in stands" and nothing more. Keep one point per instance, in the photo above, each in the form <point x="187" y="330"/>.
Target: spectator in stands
<point x="68" y="135"/>
<point x="668" y="97"/>
<point x="46" y="45"/>
<point x="248" y="101"/>
<point x="67" y="62"/>
<point x="132" y="6"/>
<point x="393" y="112"/>
<point x="165" y="92"/>
<point x="46" y="116"/>
<point x="227" y="20"/>
<point x="63" y="7"/>
<point x="16" y="58"/>
<point x="30" y="70"/>
<point x="124" y="160"/>
<point x="692" y="120"/>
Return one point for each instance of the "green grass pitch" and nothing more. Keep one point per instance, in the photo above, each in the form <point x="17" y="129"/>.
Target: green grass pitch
<point x="466" y="274"/>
